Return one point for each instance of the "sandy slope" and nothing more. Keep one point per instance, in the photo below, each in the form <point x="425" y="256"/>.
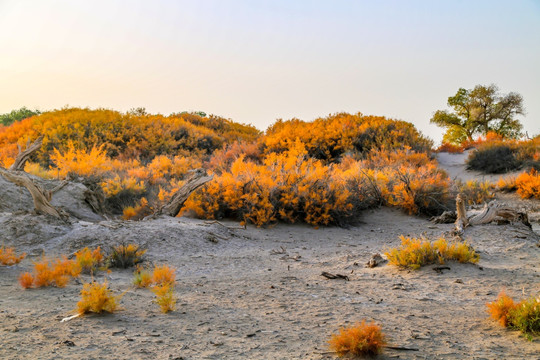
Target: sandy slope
<point x="239" y="299"/>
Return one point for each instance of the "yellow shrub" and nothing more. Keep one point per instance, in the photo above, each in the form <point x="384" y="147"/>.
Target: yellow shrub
<point x="415" y="253"/>
<point x="165" y="297"/>
<point x="89" y="260"/>
<point x="80" y="162"/>
<point x="97" y="298"/>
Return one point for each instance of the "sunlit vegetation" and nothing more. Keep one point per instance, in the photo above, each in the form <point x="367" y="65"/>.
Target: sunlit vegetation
<point x="125" y="256"/>
<point x="497" y="155"/>
<point x="161" y="282"/>
<point x="323" y="172"/>
<point x="47" y="272"/>
<point x="8" y="256"/>
<point x="475" y="192"/>
<point x="523" y="316"/>
<point x="528" y="184"/>
<point x="414" y="253"/>
<point x="362" y="339"/>
<point x="97" y="298"/>
<point x="89" y="260"/>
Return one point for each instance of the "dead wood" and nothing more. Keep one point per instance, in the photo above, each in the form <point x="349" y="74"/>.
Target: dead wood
<point x="23" y="156"/>
<point x="461" y="220"/>
<point x="402" y="348"/>
<point x="40" y="196"/>
<point x="195" y="181"/>
<point x="446" y="217"/>
<point x="334" y="276"/>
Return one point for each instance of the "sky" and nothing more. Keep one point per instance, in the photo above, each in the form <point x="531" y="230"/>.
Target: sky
<point x="258" y="61"/>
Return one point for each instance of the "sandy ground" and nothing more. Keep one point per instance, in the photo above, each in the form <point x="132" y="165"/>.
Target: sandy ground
<point x="259" y="294"/>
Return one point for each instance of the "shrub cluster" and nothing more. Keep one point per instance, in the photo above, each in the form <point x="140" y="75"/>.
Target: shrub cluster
<point x="415" y="253"/>
<point x="323" y="172"/>
<point x="161" y="281"/>
<point x="523" y="316"/>
<point x="496" y="156"/>
<point x="9" y="257"/>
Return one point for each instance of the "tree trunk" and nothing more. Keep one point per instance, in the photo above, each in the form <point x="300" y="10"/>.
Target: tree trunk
<point x="23" y="156"/>
<point x="41" y="197"/>
<point x="17" y="176"/>
<point x="197" y="179"/>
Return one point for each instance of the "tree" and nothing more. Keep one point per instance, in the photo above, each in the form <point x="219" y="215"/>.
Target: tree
<point x="479" y="111"/>
<point x="17" y="115"/>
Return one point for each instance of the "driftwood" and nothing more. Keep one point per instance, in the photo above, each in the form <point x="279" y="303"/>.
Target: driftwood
<point x="461" y="220"/>
<point x="23" y="156"/>
<point x="334" y="276"/>
<point x="40" y="196"/>
<point x="491" y="212"/>
<point x="197" y="179"/>
<point x="16" y="175"/>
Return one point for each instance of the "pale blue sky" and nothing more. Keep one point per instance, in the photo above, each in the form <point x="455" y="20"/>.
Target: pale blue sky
<point x="257" y="61"/>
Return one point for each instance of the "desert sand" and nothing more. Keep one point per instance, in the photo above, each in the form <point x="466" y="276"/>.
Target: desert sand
<point x="258" y="293"/>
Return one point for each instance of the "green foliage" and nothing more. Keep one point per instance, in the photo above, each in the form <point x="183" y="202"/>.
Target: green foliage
<point x="479" y="111"/>
<point x="17" y="115"/>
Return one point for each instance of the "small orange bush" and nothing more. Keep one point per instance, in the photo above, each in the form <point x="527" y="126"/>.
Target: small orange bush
<point x="88" y="259"/>
<point x="359" y="340"/>
<point x="26" y="280"/>
<point x="97" y="298"/>
<point x="163" y="275"/>
<point x="9" y="257"/>
<point x="57" y="272"/>
<point x="500" y="308"/>
<point x="165" y="297"/>
<point x="124" y="256"/>
<point x="528" y="185"/>
<point x="523" y="316"/>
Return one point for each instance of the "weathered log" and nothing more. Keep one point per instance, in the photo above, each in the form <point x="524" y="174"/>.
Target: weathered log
<point x="195" y="181"/>
<point x="23" y="156"/>
<point x="461" y="221"/>
<point x="40" y="196"/>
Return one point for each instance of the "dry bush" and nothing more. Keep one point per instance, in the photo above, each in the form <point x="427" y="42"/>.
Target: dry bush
<point x="163" y="275"/>
<point x="528" y="185"/>
<point x="125" y="255"/>
<point x="26" y="280"/>
<point x="359" y="340"/>
<point x="8" y="256"/>
<point x="475" y="192"/>
<point x="493" y="158"/>
<point x="165" y="297"/>
<point x="507" y="184"/>
<point x="523" y="316"/>
<point x="53" y="272"/>
<point x="139" y="212"/>
<point x="450" y="148"/>
<point x="142" y="278"/>
<point x="89" y="260"/>
<point x="97" y="298"/>
<point x="415" y="253"/>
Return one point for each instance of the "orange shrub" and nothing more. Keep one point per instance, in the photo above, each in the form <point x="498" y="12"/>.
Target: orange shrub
<point x="143" y="278"/>
<point x="138" y="212"/>
<point x="359" y="340"/>
<point x="9" y="257"/>
<point x="528" y="185"/>
<point x="165" y="297"/>
<point x="80" y="162"/>
<point x="57" y="272"/>
<point x="163" y="275"/>
<point x="500" y="308"/>
<point x="26" y="280"/>
<point x="97" y="298"/>
<point x="88" y="259"/>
